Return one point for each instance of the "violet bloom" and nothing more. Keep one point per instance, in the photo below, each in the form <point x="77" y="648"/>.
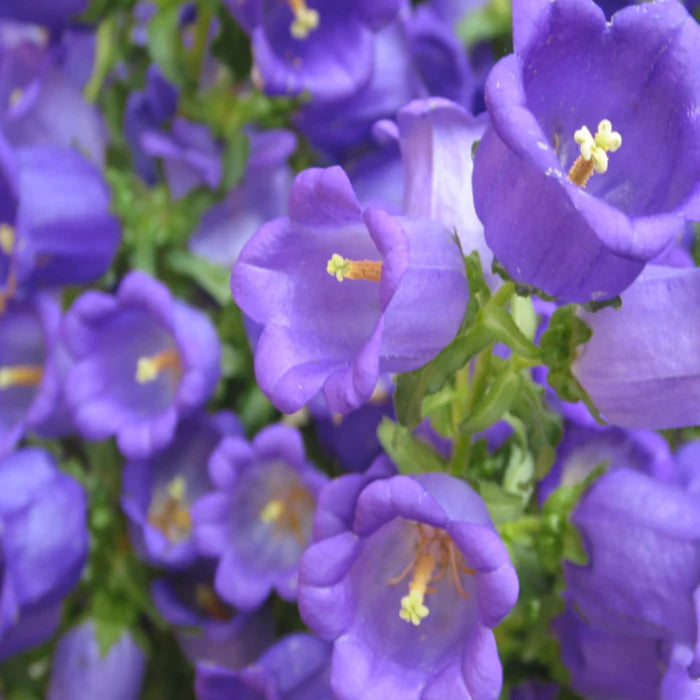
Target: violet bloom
<point x="583" y="449"/>
<point x="56" y="13"/>
<point x="258" y="521"/>
<point x="296" y="668"/>
<point x="43" y="547"/>
<point x="261" y="196"/>
<point x="323" y="46"/>
<point x="207" y="629"/>
<point x="337" y="323"/>
<point x="29" y="367"/>
<point x="581" y="95"/>
<point x="191" y="157"/>
<point x="142" y="361"/>
<point x="641" y="367"/>
<point x="41" y="105"/>
<point x="409" y="595"/>
<point x="158" y="493"/>
<point x="80" y="670"/>
<point x="643" y="574"/>
<point x="607" y="665"/>
<point x="55" y="225"/>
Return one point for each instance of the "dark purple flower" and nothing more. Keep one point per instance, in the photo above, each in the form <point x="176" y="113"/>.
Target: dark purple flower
<point x="80" y="670"/>
<point x="191" y="157"/>
<point x="207" y="629"/>
<point x="261" y="196"/>
<point x="641" y="367"/>
<point x="377" y="178"/>
<point x="323" y="46"/>
<point x="295" y="668"/>
<point x="606" y="665"/>
<point x="56" y="13"/>
<point x="43" y="546"/>
<point x="583" y="449"/>
<point x="258" y="521"/>
<point x="643" y="574"/>
<point x="30" y="372"/>
<point x="142" y="360"/>
<point x="409" y="594"/>
<point x="55" y="226"/>
<point x="321" y="332"/>
<point x="635" y="82"/>
<point x="158" y="493"/>
<point x="534" y="690"/>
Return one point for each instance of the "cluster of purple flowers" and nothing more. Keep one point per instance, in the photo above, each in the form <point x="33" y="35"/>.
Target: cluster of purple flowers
<point x="387" y="551"/>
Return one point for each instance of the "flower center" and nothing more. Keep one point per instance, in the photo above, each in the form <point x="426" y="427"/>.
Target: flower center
<point x="594" y="151"/>
<point x="436" y="556"/>
<point x="149" y="368"/>
<point x="305" y="19"/>
<point x="7" y="239"/>
<point x="20" y="375"/>
<point x="207" y="600"/>
<point x="170" y="513"/>
<point x="341" y="268"/>
<point x="290" y="513"/>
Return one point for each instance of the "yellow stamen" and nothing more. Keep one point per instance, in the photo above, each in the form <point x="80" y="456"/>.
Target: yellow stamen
<point x="594" y="151"/>
<point x="9" y="291"/>
<point x="208" y="601"/>
<point x="7" y="239"/>
<point x="170" y="514"/>
<point x="290" y="513"/>
<point x="272" y="512"/>
<point x="305" y="19"/>
<point x="21" y="375"/>
<point x="149" y="368"/>
<point x="15" y="96"/>
<point x="413" y="609"/>
<point x="341" y="268"/>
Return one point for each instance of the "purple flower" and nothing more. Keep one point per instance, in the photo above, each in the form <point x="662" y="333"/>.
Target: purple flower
<point x="297" y="667"/>
<point x="29" y="367"/>
<point x="409" y="594"/>
<point x="323" y="46"/>
<point x="191" y="156"/>
<point x="80" y="670"/>
<point x="262" y="196"/>
<point x="643" y="574"/>
<point x="641" y="367"/>
<point x="142" y="360"/>
<point x="321" y="332"/>
<point x="43" y="547"/>
<point x="207" y="629"/>
<point x="258" y="521"/>
<point x="635" y="82"/>
<point x="158" y="493"/>
<point x="55" y="226"/>
<point x="55" y="13"/>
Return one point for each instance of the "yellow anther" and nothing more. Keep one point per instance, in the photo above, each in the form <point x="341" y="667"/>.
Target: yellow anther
<point x="305" y="21"/>
<point x="177" y="488"/>
<point x="341" y="268"/>
<point x="15" y="96"/>
<point x="272" y="512"/>
<point x="149" y="368"/>
<point x="20" y="375"/>
<point x="413" y="609"/>
<point x="594" y="151"/>
<point x="170" y="513"/>
<point x="7" y="239"/>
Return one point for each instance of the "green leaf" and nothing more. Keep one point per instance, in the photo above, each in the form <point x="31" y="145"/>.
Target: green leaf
<point x="213" y="278"/>
<point x="235" y="159"/>
<point x="411" y="455"/>
<point x="503" y="506"/>
<point x="501" y="325"/>
<point x="495" y="403"/>
<point x="166" y="47"/>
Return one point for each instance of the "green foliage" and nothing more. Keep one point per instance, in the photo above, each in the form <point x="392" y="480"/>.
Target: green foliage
<point x="410" y="454"/>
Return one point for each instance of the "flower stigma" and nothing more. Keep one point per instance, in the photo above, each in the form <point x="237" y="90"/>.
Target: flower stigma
<point x="149" y="368"/>
<point x="305" y="21"/>
<point x="170" y="513"/>
<point x="289" y="513"/>
<point x="594" y="151"/>
<point x="342" y="268"/>
<point x="20" y="375"/>
<point x="7" y="239"/>
<point x="435" y="557"/>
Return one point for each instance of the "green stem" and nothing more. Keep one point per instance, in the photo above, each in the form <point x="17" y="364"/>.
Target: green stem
<point x="503" y="294"/>
<point x="201" y="39"/>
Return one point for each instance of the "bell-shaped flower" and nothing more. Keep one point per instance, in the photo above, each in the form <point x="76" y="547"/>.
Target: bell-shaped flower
<point x="590" y="167"/>
<point x="259" y="519"/>
<point x="43" y="547"/>
<point x="142" y="360"/>
<point x="56" y="13"/>
<point x="79" y="668"/>
<point x="642" y="367"/>
<point x="409" y="595"/>
<point x="158" y="493"/>
<point x="345" y="294"/>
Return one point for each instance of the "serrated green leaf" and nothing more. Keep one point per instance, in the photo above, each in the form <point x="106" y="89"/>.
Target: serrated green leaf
<point x="411" y="455"/>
